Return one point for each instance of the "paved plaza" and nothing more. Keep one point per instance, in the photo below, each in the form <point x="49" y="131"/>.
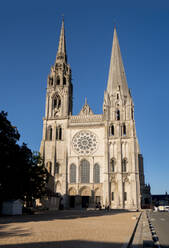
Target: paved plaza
<point x="68" y="229"/>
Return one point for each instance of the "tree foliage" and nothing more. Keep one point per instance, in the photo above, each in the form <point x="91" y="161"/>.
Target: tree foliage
<point x="22" y="173"/>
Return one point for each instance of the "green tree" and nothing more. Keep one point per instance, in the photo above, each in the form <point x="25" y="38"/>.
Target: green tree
<point x="22" y="173"/>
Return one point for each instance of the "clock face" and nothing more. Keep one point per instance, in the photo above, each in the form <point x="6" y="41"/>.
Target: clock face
<point x="85" y="142"/>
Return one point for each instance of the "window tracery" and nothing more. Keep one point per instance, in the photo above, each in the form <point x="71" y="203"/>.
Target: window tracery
<point x="84" y="142"/>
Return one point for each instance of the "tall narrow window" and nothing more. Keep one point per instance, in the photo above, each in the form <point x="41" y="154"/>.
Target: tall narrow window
<point x="60" y="133"/>
<point x="112" y="130"/>
<point x="112" y="165"/>
<point x="124" y="129"/>
<point x="50" y="81"/>
<point x="112" y="196"/>
<point x="132" y="114"/>
<point x="58" y="81"/>
<point x="118" y="115"/>
<point x="73" y="173"/>
<point x="57" y="168"/>
<point x="64" y="81"/>
<point x="85" y="171"/>
<point x="57" y="133"/>
<point x="57" y="102"/>
<point x="125" y="196"/>
<point x="49" y="133"/>
<point x="117" y="96"/>
<point x="124" y="165"/>
<point x="96" y="173"/>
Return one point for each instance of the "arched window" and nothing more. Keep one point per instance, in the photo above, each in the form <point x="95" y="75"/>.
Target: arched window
<point x="112" y="165"/>
<point x="85" y="171"/>
<point x="57" y="168"/>
<point x="64" y="81"/>
<point x="124" y="129"/>
<point x="57" y="102"/>
<point x="49" y="133"/>
<point x="112" y="130"/>
<point x="49" y="167"/>
<point x="118" y="115"/>
<point x="58" y="81"/>
<point x="73" y="173"/>
<point x="124" y="165"/>
<point x="96" y="173"/>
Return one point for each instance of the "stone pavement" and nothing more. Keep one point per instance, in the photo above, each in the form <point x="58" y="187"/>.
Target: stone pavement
<point x="68" y="229"/>
<point x="143" y="236"/>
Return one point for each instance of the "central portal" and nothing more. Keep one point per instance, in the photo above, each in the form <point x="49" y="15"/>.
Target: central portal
<point x="85" y="201"/>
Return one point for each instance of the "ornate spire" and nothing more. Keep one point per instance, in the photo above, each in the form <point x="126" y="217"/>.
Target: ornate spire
<point x="86" y="110"/>
<point x="117" y="78"/>
<point x="61" y="53"/>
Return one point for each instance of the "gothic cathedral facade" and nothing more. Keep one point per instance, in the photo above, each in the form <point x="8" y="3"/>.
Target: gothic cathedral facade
<point x="92" y="158"/>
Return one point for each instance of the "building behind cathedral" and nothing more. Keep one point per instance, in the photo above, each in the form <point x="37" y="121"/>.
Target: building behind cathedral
<point x="92" y="158"/>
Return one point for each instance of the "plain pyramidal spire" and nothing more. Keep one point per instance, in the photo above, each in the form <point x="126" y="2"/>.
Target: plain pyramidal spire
<point x="61" y="52"/>
<point x="117" y="77"/>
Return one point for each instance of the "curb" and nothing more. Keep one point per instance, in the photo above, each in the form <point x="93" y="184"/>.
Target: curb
<point x="142" y="237"/>
<point x="128" y="244"/>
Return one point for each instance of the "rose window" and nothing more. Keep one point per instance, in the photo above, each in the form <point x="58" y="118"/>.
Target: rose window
<point x="85" y="142"/>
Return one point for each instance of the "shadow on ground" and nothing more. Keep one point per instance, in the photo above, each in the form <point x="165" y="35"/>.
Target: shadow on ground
<point x="15" y="231"/>
<point x="67" y="244"/>
<point x="63" y="214"/>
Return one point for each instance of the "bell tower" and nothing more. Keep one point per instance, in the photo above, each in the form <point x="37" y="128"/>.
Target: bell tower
<point x="59" y="86"/>
<point x="123" y="148"/>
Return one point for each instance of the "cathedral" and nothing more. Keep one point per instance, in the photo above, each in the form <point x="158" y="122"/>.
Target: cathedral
<point x="93" y="159"/>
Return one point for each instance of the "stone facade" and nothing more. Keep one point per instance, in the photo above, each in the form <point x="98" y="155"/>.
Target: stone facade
<point x="92" y="158"/>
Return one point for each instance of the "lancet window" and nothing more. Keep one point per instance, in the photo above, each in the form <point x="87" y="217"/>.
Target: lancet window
<point x="112" y="165"/>
<point x="57" y="102"/>
<point x="57" y="168"/>
<point x="96" y="173"/>
<point x="112" y="130"/>
<point x="64" y="81"/>
<point x="124" y="129"/>
<point x="58" y="133"/>
<point x="49" y="133"/>
<point x="58" y="81"/>
<point x="85" y="171"/>
<point x="118" y="115"/>
<point x="124" y="165"/>
<point x="72" y="173"/>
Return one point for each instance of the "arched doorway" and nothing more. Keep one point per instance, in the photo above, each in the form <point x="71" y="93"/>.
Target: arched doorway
<point x="72" y="195"/>
<point x="85" y="194"/>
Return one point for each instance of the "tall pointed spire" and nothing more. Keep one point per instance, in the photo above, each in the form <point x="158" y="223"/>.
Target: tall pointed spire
<point x="117" y="78"/>
<point x="61" y="53"/>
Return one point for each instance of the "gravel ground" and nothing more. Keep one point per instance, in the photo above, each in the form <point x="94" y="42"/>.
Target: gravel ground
<point x="68" y="229"/>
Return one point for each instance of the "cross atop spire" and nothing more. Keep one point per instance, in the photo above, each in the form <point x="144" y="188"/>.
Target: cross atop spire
<point x="117" y="77"/>
<point x="61" y="53"/>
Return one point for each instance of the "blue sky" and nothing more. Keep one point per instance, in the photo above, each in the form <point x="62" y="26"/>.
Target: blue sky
<point x="29" y="32"/>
